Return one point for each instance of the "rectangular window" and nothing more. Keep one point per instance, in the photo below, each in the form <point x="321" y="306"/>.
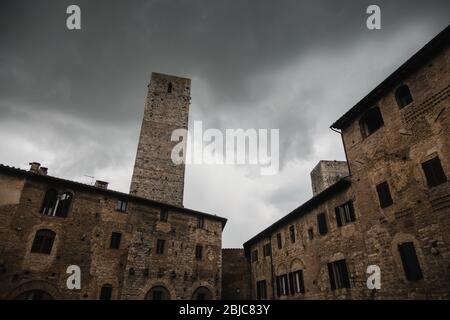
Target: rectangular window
<point x="371" y="121"/>
<point x="106" y="292"/>
<point x="345" y="214"/>
<point x="310" y="234"/>
<point x="200" y="222"/>
<point x="384" y="195"/>
<point x="160" y="243"/>
<point x="115" y="240"/>
<point x="292" y="233"/>
<point x="121" y="205"/>
<point x="254" y="255"/>
<point x="164" y="215"/>
<point x="282" y="285"/>
<point x="337" y="271"/>
<point x="434" y="172"/>
<point x="322" y="224"/>
<point x="411" y="265"/>
<point x="199" y="252"/>
<point x="279" y="243"/>
<point x="299" y="285"/>
<point x="267" y="249"/>
<point x="261" y="290"/>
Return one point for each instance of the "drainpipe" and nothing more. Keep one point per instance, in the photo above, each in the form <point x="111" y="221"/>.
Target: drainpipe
<point x="345" y="149"/>
<point x="271" y="270"/>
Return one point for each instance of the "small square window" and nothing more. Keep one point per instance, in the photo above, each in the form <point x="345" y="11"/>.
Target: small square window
<point x="310" y="234"/>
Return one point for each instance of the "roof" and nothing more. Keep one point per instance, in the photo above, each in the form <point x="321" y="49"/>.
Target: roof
<point x="35" y="176"/>
<point x="422" y="56"/>
<point x="302" y="210"/>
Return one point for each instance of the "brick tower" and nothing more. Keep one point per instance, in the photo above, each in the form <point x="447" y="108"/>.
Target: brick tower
<point x="155" y="176"/>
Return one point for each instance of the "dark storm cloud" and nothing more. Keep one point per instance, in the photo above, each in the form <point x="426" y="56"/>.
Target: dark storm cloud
<point x="74" y="99"/>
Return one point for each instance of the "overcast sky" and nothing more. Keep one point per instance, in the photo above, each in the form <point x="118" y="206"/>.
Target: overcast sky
<point x="73" y="100"/>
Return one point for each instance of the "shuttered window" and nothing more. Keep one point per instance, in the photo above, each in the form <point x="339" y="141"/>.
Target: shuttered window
<point x="345" y="214"/>
<point x="322" y="224"/>
<point x="338" y="274"/>
<point x="384" y="195"/>
<point x="433" y="172"/>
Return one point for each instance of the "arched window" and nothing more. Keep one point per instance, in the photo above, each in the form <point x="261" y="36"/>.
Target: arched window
<point x="34" y="295"/>
<point x="106" y="292"/>
<point x="49" y="203"/>
<point x="403" y="96"/>
<point x="63" y="204"/>
<point x="43" y="241"/>
<point x="169" y="88"/>
<point x="202" y="293"/>
<point x="371" y="121"/>
<point x="56" y="205"/>
<point x="158" y="293"/>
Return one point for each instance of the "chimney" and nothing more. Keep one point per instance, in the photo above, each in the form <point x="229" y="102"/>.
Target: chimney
<point x="43" y="171"/>
<point x="101" y="184"/>
<point x="34" y="167"/>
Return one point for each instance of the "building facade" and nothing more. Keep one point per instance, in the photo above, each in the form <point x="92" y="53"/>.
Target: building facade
<point x="142" y="245"/>
<point x="390" y="216"/>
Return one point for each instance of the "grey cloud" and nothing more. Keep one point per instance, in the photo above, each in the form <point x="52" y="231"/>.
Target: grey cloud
<point x="293" y="65"/>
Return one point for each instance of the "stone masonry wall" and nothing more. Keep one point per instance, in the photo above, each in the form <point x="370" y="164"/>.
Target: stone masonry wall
<point x="83" y="239"/>
<point x="155" y="176"/>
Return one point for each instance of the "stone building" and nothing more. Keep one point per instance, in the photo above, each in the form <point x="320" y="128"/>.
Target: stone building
<point x="141" y="245"/>
<point x="393" y="209"/>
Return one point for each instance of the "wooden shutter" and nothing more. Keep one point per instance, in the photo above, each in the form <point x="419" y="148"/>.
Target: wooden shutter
<point x="338" y="216"/>
<point x="291" y="283"/>
<point x="331" y="276"/>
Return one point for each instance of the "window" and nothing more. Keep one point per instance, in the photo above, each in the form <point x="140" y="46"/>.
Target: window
<point x="169" y="87"/>
<point x="121" y="205"/>
<point x="43" y="241"/>
<point x="56" y="205"/>
<point x="322" y="224"/>
<point x="282" y="285"/>
<point x="410" y="262"/>
<point x="199" y="252"/>
<point x="279" y="243"/>
<point x="267" y="250"/>
<point x="200" y="222"/>
<point x="433" y="172"/>
<point x="106" y="292"/>
<point x="292" y="233"/>
<point x="403" y="96"/>
<point x="254" y="255"/>
<point x="261" y="290"/>
<point x="160" y="246"/>
<point x="297" y="283"/>
<point x="310" y="234"/>
<point x="115" y="240"/>
<point x="337" y="271"/>
<point x="164" y="215"/>
<point x="384" y="195"/>
<point x="371" y="121"/>
<point x="158" y="293"/>
<point x="345" y="214"/>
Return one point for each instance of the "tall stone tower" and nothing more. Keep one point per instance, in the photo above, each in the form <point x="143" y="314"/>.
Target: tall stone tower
<point x="155" y="176"/>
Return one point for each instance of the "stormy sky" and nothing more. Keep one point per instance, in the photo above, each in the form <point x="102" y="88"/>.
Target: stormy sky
<point x="73" y="100"/>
